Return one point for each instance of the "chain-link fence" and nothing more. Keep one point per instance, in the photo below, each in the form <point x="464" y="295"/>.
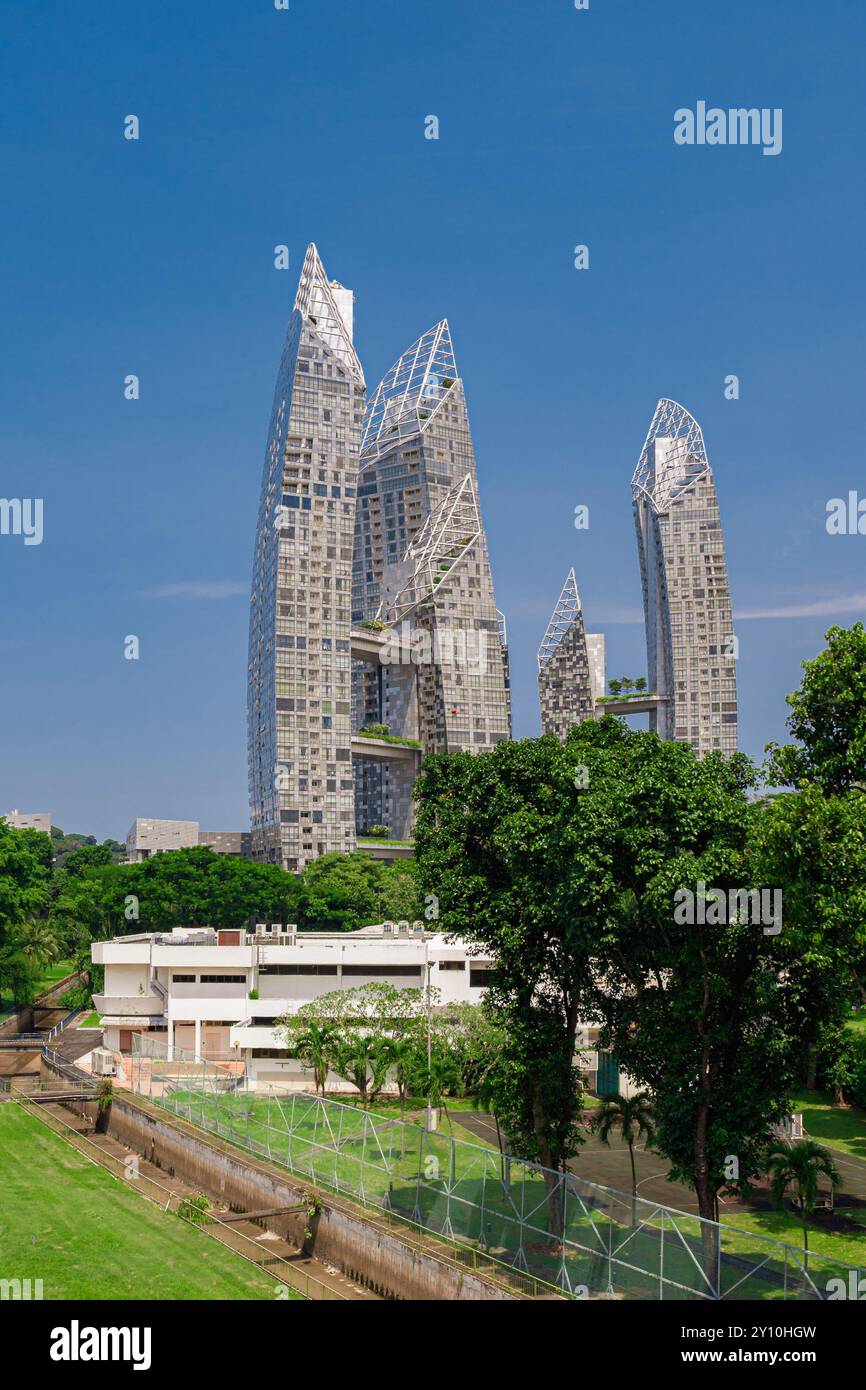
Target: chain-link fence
<point x="556" y="1228"/>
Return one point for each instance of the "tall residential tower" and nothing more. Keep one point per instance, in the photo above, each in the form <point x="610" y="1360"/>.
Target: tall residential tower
<point x="570" y="665"/>
<point x="299" y="676"/>
<point x="687" y="602"/>
<point x="422" y="566"/>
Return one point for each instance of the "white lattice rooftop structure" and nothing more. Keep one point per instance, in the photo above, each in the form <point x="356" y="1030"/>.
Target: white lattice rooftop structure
<point x="410" y="392"/>
<point x="566" y="610"/>
<point x="691" y="650"/>
<point x="661" y="475"/>
<point x="446" y="538"/>
<point x="570" y="665"/>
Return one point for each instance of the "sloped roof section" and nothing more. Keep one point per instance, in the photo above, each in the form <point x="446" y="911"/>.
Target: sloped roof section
<point x="564" y="616"/>
<point x="411" y="391"/>
<point x="446" y="537"/>
<point x="673" y="456"/>
<point x="316" y="303"/>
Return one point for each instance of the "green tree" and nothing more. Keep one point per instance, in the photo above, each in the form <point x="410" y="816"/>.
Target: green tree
<point x="814" y="847"/>
<point x="798" y="1165"/>
<point x="339" y="893"/>
<point x="89" y="857"/>
<point x="640" y="683"/>
<point x="626" y="683"/>
<point x="314" y="1047"/>
<point x="573" y="892"/>
<point x="399" y="895"/>
<point x="25" y="860"/>
<point x="828" y="717"/>
<point x="614" y="686"/>
<point x="37" y="942"/>
<point x="632" y="1116"/>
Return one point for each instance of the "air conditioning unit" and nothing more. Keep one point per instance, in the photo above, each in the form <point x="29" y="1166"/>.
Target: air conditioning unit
<point x="104" y="1062"/>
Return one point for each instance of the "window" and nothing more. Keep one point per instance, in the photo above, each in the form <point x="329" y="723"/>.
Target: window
<point x="298" y="970"/>
<point x="452" y="965"/>
<point x="479" y="977"/>
<point x="223" y="979"/>
<point x="183" y="979"/>
<point x="401" y="972"/>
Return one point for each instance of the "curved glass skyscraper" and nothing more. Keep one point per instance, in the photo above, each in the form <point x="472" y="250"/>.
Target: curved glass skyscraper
<point x="422" y="566"/>
<point x="299" y="672"/>
<point x="691" y="648"/>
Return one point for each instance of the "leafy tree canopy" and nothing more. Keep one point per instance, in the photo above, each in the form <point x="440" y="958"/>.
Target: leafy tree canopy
<point x="828" y="717"/>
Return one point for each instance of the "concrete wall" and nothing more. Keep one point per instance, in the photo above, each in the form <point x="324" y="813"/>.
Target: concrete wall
<point x="381" y="1260"/>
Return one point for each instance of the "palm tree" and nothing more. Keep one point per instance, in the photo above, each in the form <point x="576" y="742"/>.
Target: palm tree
<point x="403" y="1055"/>
<point x="314" y="1048"/>
<point x="440" y="1075"/>
<point x="37" y="943"/>
<point x="798" y="1164"/>
<point x="634" y="1117"/>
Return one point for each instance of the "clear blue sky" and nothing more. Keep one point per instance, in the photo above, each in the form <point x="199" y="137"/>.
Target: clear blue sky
<point x="261" y="127"/>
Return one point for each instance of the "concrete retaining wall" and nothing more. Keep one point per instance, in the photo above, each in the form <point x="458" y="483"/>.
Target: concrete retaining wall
<point x="380" y="1260"/>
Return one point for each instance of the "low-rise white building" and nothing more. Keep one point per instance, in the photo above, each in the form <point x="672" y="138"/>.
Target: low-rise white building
<point x="217" y="994"/>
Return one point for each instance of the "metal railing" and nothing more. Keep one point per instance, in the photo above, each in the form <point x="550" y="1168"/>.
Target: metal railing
<point x="62" y="1025"/>
<point x="276" y="1267"/>
<point x="531" y="1223"/>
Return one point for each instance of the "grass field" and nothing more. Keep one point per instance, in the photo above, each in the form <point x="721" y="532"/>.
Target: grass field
<point x="51" y="974"/>
<point x="835" y="1126"/>
<point x="460" y="1190"/>
<point x="47" y="977"/>
<point x="87" y="1235"/>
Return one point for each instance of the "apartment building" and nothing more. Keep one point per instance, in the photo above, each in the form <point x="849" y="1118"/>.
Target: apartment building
<point x="298" y="678"/>
<point x="691" y="651"/>
<point x="570" y="665"/>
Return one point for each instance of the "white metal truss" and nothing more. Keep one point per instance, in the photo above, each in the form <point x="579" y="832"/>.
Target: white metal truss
<point x="448" y="534"/>
<point x="565" y="613"/>
<point x="662" y="474"/>
<point x="316" y="303"/>
<point x="410" y="392"/>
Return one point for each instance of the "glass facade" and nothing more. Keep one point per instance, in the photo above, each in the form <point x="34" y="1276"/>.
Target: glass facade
<point x="691" y="650"/>
<point x="299" y="673"/>
<point x="421" y="565"/>
<point x="567" y="679"/>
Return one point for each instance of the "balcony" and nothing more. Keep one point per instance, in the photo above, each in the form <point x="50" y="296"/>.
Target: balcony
<point x="137" y="1006"/>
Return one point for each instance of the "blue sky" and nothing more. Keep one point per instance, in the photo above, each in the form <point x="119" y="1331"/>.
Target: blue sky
<point x="261" y="127"/>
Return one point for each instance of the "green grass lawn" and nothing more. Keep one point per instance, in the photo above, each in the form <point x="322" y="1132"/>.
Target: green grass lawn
<point x="850" y="1247"/>
<point x="835" y="1126"/>
<point x="857" y="1022"/>
<point x="52" y="974"/>
<point x="91" y="1021"/>
<point x="49" y="976"/>
<point x="87" y="1235"/>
